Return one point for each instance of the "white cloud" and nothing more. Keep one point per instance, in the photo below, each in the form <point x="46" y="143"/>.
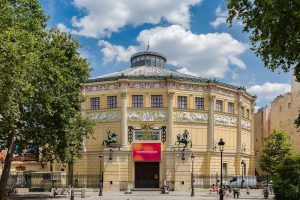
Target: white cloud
<point x="63" y="28"/>
<point x="221" y="17"/>
<point x="116" y="53"/>
<point x="102" y="17"/>
<point x="205" y="55"/>
<point x="268" y="91"/>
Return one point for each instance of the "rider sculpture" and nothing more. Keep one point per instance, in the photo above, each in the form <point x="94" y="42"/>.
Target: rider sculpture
<point x="183" y="139"/>
<point x="111" y="139"/>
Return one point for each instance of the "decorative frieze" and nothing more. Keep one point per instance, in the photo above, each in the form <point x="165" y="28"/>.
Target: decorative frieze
<point x="245" y="101"/>
<point x="147" y="115"/>
<point x="225" y="120"/>
<point x="105" y="116"/>
<point x="245" y="124"/>
<point x="190" y="117"/>
<point x="224" y="92"/>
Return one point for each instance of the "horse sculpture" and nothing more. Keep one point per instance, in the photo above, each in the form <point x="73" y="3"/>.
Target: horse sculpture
<point x="111" y="139"/>
<point x="183" y="139"/>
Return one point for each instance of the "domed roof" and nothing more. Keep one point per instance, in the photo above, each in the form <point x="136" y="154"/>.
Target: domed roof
<point x="144" y="72"/>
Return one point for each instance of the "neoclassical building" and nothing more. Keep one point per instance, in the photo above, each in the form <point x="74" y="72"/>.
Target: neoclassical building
<point x="147" y="106"/>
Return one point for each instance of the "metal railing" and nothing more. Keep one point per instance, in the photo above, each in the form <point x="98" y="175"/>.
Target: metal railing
<point x="46" y="181"/>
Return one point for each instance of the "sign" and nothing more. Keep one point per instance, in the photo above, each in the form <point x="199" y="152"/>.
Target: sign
<point x="146" y="151"/>
<point x="146" y="135"/>
<point x="29" y="153"/>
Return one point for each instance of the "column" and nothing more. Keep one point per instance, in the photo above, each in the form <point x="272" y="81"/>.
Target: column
<point x="83" y="114"/>
<point x="124" y="138"/>
<point x="238" y="135"/>
<point x="170" y="119"/>
<point x="211" y="123"/>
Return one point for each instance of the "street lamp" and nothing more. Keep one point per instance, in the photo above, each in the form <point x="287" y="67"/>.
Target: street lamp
<point x="71" y="144"/>
<point x="221" y="144"/>
<point x="243" y="168"/>
<point x="51" y="170"/>
<point x="101" y="176"/>
<point x="192" y="175"/>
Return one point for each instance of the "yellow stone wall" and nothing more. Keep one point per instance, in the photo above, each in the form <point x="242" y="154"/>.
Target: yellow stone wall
<point x="121" y="169"/>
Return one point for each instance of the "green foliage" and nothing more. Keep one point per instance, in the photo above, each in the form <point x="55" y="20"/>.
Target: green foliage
<point x="274" y="30"/>
<point x="286" y="183"/>
<point x="277" y="148"/>
<point x="41" y="73"/>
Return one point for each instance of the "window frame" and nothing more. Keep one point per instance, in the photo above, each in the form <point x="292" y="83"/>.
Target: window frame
<point x="95" y="103"/>
<point x="219" y="107"/>
<point x="229" y="110"/>
<point x="157" y="101"/>
<point x="137" y="101"/>
<point x="182" y="102"/>
<point x="199" y="103"/>
<point x="112" y="101"/>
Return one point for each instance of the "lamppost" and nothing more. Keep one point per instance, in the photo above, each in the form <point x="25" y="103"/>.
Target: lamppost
<point x="243" y="168"/>
<point x="221" y="144"/>
<point x="192" y="175"/>
<point x="101" y="176"/>
<point x="71" y="144"/>
<point x="51" y="170"/>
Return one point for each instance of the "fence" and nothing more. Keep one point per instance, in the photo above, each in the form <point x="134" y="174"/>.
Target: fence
<point x="45" y="181"/>
<point x="206" y="181"/>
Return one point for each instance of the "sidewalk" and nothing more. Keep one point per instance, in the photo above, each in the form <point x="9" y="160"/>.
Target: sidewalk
<point x="141" y="195"/>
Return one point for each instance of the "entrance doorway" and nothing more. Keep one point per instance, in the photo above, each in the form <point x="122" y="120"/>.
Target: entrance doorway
<point x="147" y="175"/>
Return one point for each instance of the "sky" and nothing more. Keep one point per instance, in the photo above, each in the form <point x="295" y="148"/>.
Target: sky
<point x="192" y="34"/>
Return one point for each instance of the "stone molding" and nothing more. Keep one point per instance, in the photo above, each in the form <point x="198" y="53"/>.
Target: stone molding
<point x="190" y="117"/>
<point x="147" y="115"/>
<point x="245" y="124"/>
<point x="105" y="116"/>
<point x="225" y="120"/>
<point x="178" y="86"/>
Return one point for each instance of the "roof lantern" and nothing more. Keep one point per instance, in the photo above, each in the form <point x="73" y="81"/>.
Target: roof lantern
<point x="148" y="58"/>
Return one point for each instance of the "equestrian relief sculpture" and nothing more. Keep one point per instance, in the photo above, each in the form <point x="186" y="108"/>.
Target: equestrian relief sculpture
<point x="183" y="139"/>
<point x="111" y="140"/>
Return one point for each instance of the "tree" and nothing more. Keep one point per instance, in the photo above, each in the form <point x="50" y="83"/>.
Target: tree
<point x="278" y="147"/>
<point x="41" y="73"/>
<point x="274" y="30"/>
<point x="286" y="183"/>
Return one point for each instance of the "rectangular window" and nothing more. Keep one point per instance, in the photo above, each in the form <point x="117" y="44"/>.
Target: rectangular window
<point x="289" y="105"/>
<point x="219" y="105"/>
<point x="182" y="102"/>
<point x="156" y="101"/>
<point x="230" y="107"/>
<point x="248" y="113"/>
<point x="242" y="111"/>
<point x="225" y="169"/>
<point x="95" y="103"/>
<point x="199" y="103"/>
<point x="111" y="101"/>
<point x="137" y="101"/>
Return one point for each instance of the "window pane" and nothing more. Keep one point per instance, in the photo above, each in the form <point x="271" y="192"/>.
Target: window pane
<point x="231" y="107"/>
<point x="137" y="101"/>
<point x="156" y="101"/>
<point x="219" y="106"/>
<point x="95" y="103"/>
<point x="111" y="101"/>
<point x="199" y="102"/>
<point x="182" y="102"/>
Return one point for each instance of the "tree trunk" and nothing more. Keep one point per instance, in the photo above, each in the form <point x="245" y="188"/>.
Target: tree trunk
<point x="7" y="165"/>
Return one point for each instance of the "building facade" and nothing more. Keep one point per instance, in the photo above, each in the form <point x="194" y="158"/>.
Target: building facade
<point x="160" y="118"/>
<point x="281" y="115"/>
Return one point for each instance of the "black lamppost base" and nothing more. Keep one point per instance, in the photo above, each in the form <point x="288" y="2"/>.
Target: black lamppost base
<point x="221" y="194"/>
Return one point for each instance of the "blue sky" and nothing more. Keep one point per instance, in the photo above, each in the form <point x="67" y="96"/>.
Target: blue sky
<point x="192" y="34"/>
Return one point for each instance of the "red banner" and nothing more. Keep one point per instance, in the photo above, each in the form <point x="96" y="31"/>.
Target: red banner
<point x="146" y="151"/>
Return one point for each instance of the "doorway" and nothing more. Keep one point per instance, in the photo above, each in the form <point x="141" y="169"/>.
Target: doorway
<point x="146" y="174"/>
